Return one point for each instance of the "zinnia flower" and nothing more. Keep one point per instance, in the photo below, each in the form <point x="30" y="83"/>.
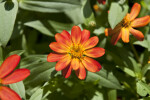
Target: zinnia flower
<point x="102" y="1"/>
<point x="74" y="52"/>
<point x="8" y="76"/>
<point x="127" y="25"/>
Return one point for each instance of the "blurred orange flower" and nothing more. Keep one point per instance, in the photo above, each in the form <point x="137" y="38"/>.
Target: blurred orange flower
<point x="8" y="76"/>
<point x="127" y="25"/>
<point x="74" y="52"/>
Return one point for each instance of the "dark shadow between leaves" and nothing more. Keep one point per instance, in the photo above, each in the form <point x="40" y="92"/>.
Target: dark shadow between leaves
<point x="122" y="7"/>
<point x="9" y="5"/>
<point x="86" y="10"/>
<point x="53" y="73"/>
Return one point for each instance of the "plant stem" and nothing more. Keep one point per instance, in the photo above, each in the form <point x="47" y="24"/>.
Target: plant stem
<point x="135" y="53"/>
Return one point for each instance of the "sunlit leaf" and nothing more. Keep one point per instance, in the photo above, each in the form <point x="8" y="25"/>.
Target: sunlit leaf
<point x="8" y="14"/>
<point x="49" y="6"/>
<point x="116" y="14"/>
<point x="142" y="88"/>
<point x="106" y="79"/>
<point x="37" y="95"/>
<point x="19" y="88"/>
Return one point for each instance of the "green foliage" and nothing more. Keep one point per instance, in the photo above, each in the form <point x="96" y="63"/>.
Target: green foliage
<point x="27" y="27"/>
<point x="7" y="18"/>
<point x="116" y="13"/>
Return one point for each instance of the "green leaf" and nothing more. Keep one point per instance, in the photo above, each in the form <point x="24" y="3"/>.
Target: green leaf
<point x="145" y="69"/>
<point x="8" y="10"/>
<point x="37" y="95"/>
<point x="135" y="66"/>
<point x="88" y="15"/>
<point x="116" y="14"/>
<point x="112" y="95"/>
<point x="49" y="6"/>
<point x="40" y="69"/>
<point x="142" y="88"/>
<point x="56" y="26"/>
<point x="1" y="53"/>
<point x="98" y="96"/>
<point x="106" y="79"/>
<point x="19" y="52"/>
<point x="144" y="43"/>
<point x="127" y="70"/>
<point x="19" y="88"/>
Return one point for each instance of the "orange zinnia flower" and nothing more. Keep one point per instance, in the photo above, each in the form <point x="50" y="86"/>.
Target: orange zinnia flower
<point x="8" y="76"/>
<point x="127" y="25"/>
<point x="74" y="52"/>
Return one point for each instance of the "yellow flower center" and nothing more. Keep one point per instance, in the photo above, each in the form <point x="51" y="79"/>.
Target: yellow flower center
<point x="126" y="22"/>
<point x="76" y="51"/>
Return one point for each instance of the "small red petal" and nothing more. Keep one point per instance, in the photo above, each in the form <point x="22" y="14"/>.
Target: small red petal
<point x="75" y="63"/>
<point x="76" y="34"/>
<point x="66" y="72"/>
<point x="125" y="35"/>
<point x="140" y="22"/>
<point x="63" y="63"/>
<point x="135" y="11"/>
<point x="91" y="64"/>
<point x="16" y="76"/>
<point x="90" y="43"/>
<point x="95" y="52"/>
<point x="85" y="36"/>
<point x="9" y="65"/>
<point x="57" y="47"/>
<point x="8" y="94"/>
<point x="53" y="57"/>
<point x="81" y="72"/>
<point x="139" y="35"/>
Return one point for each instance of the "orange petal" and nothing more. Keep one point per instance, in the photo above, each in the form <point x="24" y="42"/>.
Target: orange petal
<point x="66" y="72"/>
<point x="16" y="76"/>
<point x="81" y="72"/>
<point x="62" y="40"/>
<point x="90" y="43"/>
<point x="53" y="57"/>
<point x="57" y="47"/>
<point x="76" y="34"/>
<point x="66" y="34"/>
<point x="75" y="63"/>
<point x="91" y="64"/>
<point x="125" y="35"/>
<point x="63" y="63"/>
<point x="95" y="52"/>
<point x="115" y="38"/>
<point x="135" y="11"/>
<point x="139" y="35"/>
<point x="140" y="22"/>
<point x="8" y="94"/>
<point x="9" y="65"/>
<point x="85" y="36"/>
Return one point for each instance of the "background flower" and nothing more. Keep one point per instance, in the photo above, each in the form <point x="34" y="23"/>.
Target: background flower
<point x="8" y="76"/>
<point x="127" y="25"/>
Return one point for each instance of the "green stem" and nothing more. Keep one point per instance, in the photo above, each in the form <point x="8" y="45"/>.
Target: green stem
<point x="135" y="53"/>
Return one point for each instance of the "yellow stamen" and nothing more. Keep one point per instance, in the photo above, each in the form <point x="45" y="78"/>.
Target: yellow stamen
<point x="76" y="51"/>
<point x="126" y="22"/>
